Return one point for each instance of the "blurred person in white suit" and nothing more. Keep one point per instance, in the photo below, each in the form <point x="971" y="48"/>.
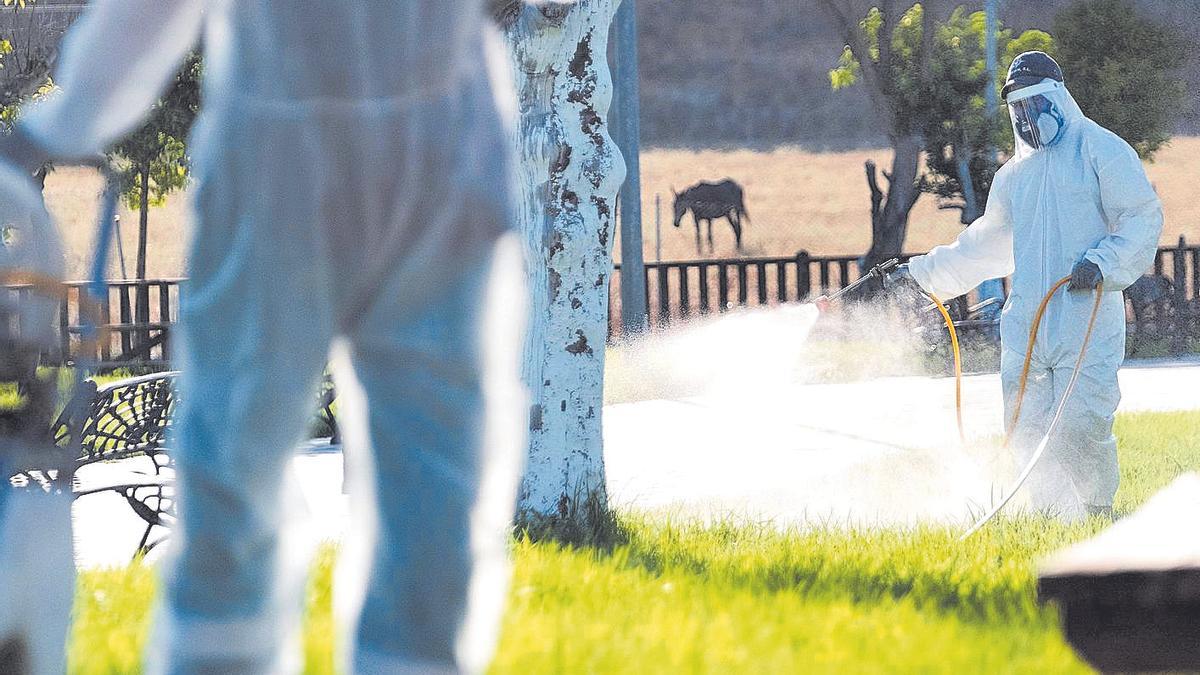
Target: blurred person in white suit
<point x="353" y="191"/>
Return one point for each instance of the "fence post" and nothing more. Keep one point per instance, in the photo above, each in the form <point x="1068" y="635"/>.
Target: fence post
<point x="803" y="276"/>
<point x="164" y="317"/>
<point x="664" y="294"/>
<point x="685" y="299"/>
<point x="761" y="269"/>
<point x="64" y="327"/>
<point x="722" y="287"/>
<point x="627" y="330"/>
<point x="106" y="319"/>
<point x="143" y="314"/>
<point x="1193" y="304"/>
<point x="1179" y="313"/>
<point x="126" y="315"/>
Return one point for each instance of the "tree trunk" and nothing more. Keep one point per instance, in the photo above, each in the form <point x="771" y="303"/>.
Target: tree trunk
<point x="889" y="226"/>
<point x="142" y="314"/>
<point x="143" y="220"/>
<point x="569" y="173"/>
<point x="970" y="210"/>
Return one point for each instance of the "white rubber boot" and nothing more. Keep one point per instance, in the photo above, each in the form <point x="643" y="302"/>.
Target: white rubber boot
<point x="37" y="581"/>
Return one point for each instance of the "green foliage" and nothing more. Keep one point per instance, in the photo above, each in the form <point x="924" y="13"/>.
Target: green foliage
<point x="957" y="125"/>
<point x="902" y="79"/>
<point x="24" y="69"/>
<point x="847" y="72"/>
<point x="1123" y="69"/>
<point x="743" y="598"/>
<point x="158" y="149"/>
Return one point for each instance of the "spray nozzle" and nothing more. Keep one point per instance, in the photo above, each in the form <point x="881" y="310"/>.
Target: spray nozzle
<point x="873" y="281"/>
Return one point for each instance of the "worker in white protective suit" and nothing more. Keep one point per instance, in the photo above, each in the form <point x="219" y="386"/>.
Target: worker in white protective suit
<point x="1072" y="200"/>
<point x="353" y="188"/>
<point x="37" y="568"/>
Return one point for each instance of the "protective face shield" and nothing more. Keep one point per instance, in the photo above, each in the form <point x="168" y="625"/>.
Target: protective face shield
<point x="1038" y="114"/>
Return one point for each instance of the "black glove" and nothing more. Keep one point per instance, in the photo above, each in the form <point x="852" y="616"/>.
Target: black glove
<point x="1085" y="277"/>
<point x="904" y="290"/>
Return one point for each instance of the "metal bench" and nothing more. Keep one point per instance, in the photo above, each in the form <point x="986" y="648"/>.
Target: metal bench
<point x="125" y="425"/>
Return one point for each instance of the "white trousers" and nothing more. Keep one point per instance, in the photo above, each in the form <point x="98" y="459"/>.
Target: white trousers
<point x="381" y="228"/>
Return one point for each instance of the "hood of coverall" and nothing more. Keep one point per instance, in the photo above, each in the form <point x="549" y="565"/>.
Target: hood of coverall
<point x="1041" y="115"/>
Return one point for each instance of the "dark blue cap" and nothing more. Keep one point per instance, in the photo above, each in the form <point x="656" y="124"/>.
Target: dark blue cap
<point x="1029" y="69"/>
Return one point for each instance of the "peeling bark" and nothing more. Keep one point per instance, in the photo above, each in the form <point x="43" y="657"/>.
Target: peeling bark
<point x="570" y="171"/>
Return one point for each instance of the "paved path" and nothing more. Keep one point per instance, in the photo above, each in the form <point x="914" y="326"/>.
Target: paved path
<point x="879" y="451"/>
<point x="884" y="450"/>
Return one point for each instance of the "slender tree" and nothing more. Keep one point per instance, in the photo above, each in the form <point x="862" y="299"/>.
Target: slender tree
<point x="152" y="160"/>
<point x="152" y="163"/>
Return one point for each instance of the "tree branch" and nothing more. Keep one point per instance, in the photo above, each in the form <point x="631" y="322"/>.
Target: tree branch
<point x="848" y="15"/>
<point x="925" y="48"/>
<point x="876" y="193"/>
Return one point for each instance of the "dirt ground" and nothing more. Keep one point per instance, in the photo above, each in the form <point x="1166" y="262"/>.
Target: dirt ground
<point x="797" y="200"/>
<point x="820" y="202"/>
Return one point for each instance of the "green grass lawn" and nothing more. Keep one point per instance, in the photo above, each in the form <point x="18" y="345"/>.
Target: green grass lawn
<point x="746" y="599"/>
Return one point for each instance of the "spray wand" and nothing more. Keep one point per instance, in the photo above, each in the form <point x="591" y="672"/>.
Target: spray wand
<point x="877" y="278"/>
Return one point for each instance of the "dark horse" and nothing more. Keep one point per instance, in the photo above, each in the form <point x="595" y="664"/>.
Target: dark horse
<point x="708" y="201"/>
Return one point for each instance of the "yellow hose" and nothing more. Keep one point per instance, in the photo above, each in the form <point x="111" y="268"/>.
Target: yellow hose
<point x="1062" y="402"/>
<point x="962" y="436"/>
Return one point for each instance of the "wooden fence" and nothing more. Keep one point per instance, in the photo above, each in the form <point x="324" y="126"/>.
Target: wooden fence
<point x="140" y="314"/>
<point x="680" y="290"/>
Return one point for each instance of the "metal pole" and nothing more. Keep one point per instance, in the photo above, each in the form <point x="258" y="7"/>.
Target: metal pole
<point x="120" y="245"/>
<point x="989" y="9"/>
<point x="992" y="288"/>
<point x="625" y="104"/>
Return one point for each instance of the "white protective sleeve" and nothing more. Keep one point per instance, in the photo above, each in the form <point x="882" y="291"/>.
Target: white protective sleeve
<point x="982" y="251"/>
<point x="115" y="62"/>
<point x="1135" y="217"/>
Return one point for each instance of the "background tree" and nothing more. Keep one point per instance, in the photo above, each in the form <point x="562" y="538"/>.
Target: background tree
<point x="26" y="58"/>
<point x="1123" y="69"/>
<point x="569" y="171"/>
<point x="152" y="161"/>
<point x="961" y="134"/>
<point x="889" y="53"/>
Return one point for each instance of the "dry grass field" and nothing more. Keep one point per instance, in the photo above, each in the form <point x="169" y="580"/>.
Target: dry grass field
<point x="797" y="200"/>
<point x="820" y="202"/>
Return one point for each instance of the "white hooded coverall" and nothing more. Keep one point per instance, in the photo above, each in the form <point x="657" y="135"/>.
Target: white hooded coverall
<point x="1085" y="195"/>
<point x="353" y="186"/>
